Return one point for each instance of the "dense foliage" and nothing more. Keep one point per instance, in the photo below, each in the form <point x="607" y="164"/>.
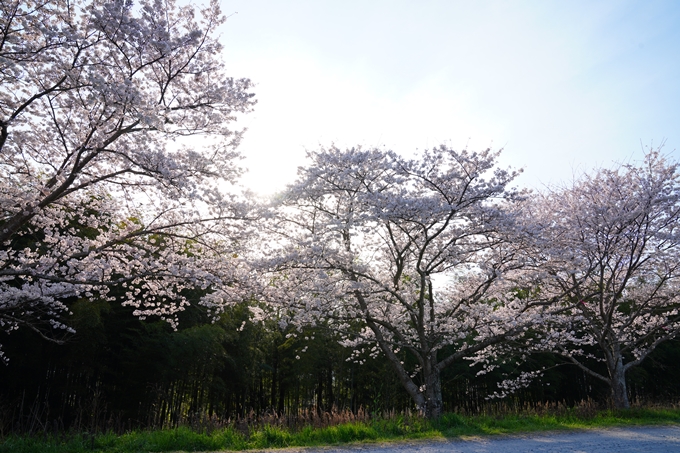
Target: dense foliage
<point x="120" y="373"/>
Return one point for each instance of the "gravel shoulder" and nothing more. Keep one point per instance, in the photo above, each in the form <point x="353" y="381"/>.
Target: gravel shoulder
<point x="647" y="439"/>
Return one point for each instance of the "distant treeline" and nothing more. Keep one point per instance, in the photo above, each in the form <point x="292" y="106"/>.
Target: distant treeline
<point x="118" y="373"/>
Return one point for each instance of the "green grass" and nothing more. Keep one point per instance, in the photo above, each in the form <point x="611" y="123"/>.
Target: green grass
<point x="393" y="429"/>
<point x="452" y="425"/>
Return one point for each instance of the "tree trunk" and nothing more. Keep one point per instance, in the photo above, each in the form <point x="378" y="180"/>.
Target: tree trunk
<point x="433" y="388"/>
<point x="427" y="400"/>
<point x="319" y="394"/>
<point x="275" y="371"/>
<point x="618" y="385"/>
<point x="281" y="407"/>
<point x="433" y="395"/>
<point x="329" y="389"/>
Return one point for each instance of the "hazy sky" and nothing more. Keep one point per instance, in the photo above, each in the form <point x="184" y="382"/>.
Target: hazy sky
<point x="562" y="86"/>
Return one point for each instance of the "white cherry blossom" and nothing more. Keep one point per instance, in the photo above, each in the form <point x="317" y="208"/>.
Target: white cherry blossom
<point x="116" y="147"/>
<point x="405" y="255"/>
<point x="609" y="266"/>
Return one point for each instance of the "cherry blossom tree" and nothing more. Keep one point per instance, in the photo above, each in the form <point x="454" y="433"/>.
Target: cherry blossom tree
<point x="116" y="149"/>
<point x="414" y="258"/>
<point x="610" y="264"/>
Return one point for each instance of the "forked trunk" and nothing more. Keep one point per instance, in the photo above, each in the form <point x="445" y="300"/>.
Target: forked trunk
<point x="427" y="398"/>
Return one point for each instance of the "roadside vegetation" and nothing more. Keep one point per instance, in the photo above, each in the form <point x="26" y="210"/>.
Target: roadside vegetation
<point x="241" y="435"/>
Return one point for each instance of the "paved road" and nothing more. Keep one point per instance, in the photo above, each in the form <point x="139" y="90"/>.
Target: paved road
<point x="649" y="439"/>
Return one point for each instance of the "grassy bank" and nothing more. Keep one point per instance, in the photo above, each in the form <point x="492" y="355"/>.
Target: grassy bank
<point x="391" y="429"/>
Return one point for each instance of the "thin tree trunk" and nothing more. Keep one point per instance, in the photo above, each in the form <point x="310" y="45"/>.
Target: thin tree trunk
<point x="319" y="394"/>
<point x="282" y="398"/>
<point x="275" y="371"/>
<point x="329" y="388"/>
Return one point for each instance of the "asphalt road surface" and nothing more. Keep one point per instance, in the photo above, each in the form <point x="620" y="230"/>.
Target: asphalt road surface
<point x="647" y="439"/>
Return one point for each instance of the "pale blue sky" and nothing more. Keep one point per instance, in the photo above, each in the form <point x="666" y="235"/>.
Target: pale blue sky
<point x="561" y="85"/>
